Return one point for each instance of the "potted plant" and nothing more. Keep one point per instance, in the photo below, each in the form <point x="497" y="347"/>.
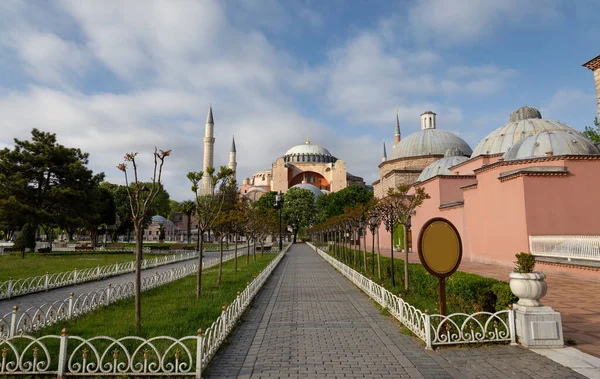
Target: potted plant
<point x="527" y="285"/>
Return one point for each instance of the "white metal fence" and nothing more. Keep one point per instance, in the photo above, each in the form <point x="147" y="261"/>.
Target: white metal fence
<point x="40" y="283"/>
<point x="22" y="286"/>
<point x="435" y="329"/>
<point x="32" y="319"/>
<point x="66" y="355"/>
<point x="570" y="247"/>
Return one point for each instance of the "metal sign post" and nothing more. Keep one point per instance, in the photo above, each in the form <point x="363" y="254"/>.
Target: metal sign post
<point x="440" y="252"/>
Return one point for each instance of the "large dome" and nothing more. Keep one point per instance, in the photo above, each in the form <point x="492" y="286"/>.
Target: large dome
<point x="551" y="143"/>
<point x="524" y="122"/>
<point x="429" y="142"/>
<point x="308" y="152"/>
<point x="315" y="190"/>
<point x="452" y="157"/>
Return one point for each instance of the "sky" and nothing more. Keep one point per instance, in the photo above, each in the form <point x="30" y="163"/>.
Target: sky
<point x="112" y="77"/>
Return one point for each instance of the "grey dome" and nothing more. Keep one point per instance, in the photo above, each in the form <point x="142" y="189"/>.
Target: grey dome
<point x="505" y="136"/>
<point x="441" y="167"/>
<point x="555" y="142"/>
<point x="308" y="152"/>
<point x="524" y="113"/>
<point x="315" y="190"/>
<point x="429" y="142"/>
<point x="158" y="218"/>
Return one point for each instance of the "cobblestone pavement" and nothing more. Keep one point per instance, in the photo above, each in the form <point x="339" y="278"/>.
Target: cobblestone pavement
<point x="39" y="298"/>
<point x="310" y="322"/>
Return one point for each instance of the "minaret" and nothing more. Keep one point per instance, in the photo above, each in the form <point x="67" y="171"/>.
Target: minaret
<point x="384" y="158"/>
<point x="232" y="157"/>
<point x="209" y="146"/>
<point x="397" y="133"/>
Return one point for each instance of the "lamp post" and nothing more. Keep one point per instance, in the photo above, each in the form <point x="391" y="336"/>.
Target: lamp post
<point x="361" y="226"/>
<point x="373" y="226"/>
<point x="279" y="205"/>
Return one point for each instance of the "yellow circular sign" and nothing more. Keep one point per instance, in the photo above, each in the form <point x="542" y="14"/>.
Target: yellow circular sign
<point x="440" y="248"/>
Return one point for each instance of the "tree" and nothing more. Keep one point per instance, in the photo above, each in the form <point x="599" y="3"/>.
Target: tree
<point x="333" y="204"/>
<point x="187" y="207"/>
<point x="207" y="209"/>
<point x="593" y="134"/>
<point x="101" y="210"/>
<point x="140" y="199"/>
<point x="122" y="209"/>
<point x="298" y="209"/>
<point x="407" y="207"/>
<point x="42" y="181"/>
<point x="266" y="201"/>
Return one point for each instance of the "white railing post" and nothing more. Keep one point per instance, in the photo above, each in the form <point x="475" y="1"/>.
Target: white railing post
<point x="512" y="326"/>
<point x="98" y="271"/>
<point x="75" y="272"/>
<point x="46" y="278"/>
<point x="199" y="343"/>
<point x="62" y="354"/>
<point x="108" y="293"/>
<point x="427" y="331"/>
<point x="224" y="315"/>
<point x="401" y="306"/>
<point x="70" y="314"/>
<point x="13" y="322"/>
<point x="10" y="286"/>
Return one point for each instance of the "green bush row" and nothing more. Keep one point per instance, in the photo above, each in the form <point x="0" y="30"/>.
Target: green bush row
<point x="465" y="292"/>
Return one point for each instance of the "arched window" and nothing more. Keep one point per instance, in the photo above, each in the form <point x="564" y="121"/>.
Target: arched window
<point x="430" y="122"/>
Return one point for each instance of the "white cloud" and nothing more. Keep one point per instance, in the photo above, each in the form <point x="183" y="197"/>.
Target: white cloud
<point x="449" y="23"/>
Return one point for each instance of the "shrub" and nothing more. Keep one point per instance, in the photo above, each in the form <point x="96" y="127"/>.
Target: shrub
<point x="44" y="250"/>
<point x="525" y="263"/>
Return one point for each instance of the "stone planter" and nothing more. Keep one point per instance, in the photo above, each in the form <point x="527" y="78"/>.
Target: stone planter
<point x="529" y="288"/>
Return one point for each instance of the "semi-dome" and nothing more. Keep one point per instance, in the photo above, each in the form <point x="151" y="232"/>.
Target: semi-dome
<point x="429" y="142"/>
<point x="551" y="143"/>
<point x="524" y="122"/>
<point x="315" y="190"/>
<point x="308" y="152"/>
<point x="452" y="157"/>
<point x="159" y="218"/>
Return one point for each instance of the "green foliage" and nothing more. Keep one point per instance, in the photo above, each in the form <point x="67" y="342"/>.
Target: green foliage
<point x="593" y="134"/>
<point x="399" y="236"/>
<point x="25" y="239"/>
<point x="266" y="201"/>
<point x="44" y="182"/>
<point x="333" y="204"/>
<point x="298" y="209"/>
<point x="525" y="263"/>
<point x="161" y="233"/>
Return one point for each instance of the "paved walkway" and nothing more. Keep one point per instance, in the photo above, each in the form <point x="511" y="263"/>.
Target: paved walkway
<point x="39" y="298"/>
<point x="578" y="301"/>
<point x="310" y="322"/>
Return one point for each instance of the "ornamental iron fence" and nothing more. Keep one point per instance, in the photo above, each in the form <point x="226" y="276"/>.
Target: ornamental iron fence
<point x="67" y="355"/>
<point x="33" y="319"/>
<point x="568" y="246"/>
<point x="434" y="329"/>
<point x="22" y="286"/>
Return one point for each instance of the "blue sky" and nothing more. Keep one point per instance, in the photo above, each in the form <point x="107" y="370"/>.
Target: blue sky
<point x="113" y="77"/>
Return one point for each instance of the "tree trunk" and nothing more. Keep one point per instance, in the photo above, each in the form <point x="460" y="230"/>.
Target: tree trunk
<point x="137" y="285"/>
<point x="235" y="254"/>
<point x="405" y="258"/>
<point x="392" y="254"/>
<point x="248" y="251"/>
<point x="189" y="228"/>
<point x="353" y="246"/>
<point x="220" y="261"/>
<point x="295" y="234"/>
<point x="378" y="256"/>
<point x="200" y="245"/>
<point x="262" y="247"/>
<point x="254" y="249"/>
<point x="365" y="250"/>
<point x="70" y="233"/>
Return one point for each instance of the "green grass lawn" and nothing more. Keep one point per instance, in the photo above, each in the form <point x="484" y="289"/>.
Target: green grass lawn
<point x="172" y="309"/>
<point x="12" y="265"/>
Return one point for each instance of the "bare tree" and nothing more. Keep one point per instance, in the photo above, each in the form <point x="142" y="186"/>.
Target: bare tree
<point x="208" y="208"/>
<point x="140" y="198"/>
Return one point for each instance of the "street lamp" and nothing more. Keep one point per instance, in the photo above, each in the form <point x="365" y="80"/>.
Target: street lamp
<point x="373" y="223"/>
<point x="279" y="205"/>
<point x="361" y="225"/>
